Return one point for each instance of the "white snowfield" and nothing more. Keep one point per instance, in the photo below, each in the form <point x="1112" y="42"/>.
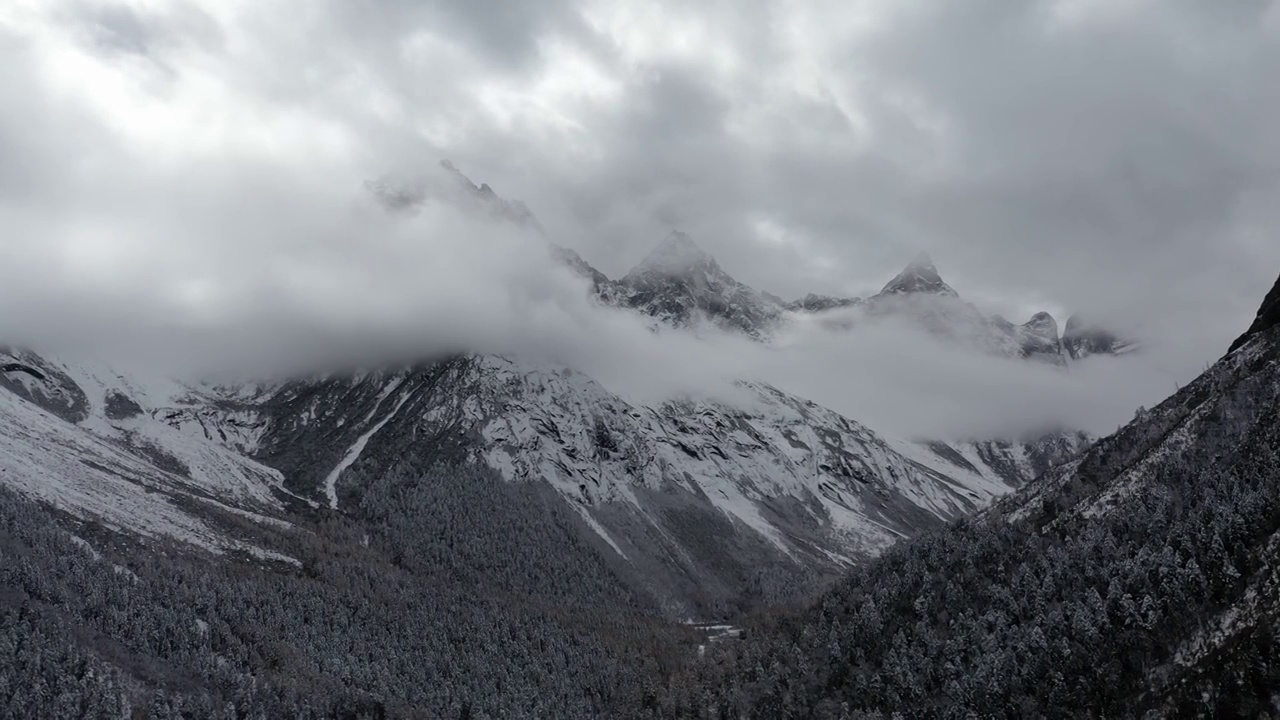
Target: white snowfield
<point x="107" y="470"/>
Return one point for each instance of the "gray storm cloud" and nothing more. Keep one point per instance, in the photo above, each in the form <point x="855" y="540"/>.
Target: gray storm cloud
<point x="184" y="180"/>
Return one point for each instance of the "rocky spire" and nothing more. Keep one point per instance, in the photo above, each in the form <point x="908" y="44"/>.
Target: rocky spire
<point x="920" y="276"/>
<point x="679" y="283"/>
<point x="676" y="254"/>
<point x="1042" y="325"/>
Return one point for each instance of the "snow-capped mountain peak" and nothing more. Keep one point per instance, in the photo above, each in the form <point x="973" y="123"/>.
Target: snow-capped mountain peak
<point x="920" y="276"/>
<point x="677" y="254"/>
<point x="1042" y="325"/>
<point x="679" y="283"/>
<point x="1039" y="339"/>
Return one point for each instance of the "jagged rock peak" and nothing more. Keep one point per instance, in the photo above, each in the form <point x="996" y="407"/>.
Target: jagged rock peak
<point x="1268" y="316"/>
<point x="1081" y="339"/>
<point x="920" y="276"/>
<point x="574" y="261"/>
<point x="1043" y="325"/>
<point x="676" y="254"/>
<point x="460" y="177"/>
<point x="513" y="210"/>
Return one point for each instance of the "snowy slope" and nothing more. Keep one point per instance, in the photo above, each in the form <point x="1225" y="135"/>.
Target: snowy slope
<point x="805" y="482"/>
<point x="87" y="440"/>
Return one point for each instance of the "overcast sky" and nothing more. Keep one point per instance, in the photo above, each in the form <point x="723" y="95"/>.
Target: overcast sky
<point x="207" y="158"/>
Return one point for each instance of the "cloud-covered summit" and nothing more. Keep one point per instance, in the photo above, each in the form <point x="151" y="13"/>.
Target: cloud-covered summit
<point x="920" y="276"/>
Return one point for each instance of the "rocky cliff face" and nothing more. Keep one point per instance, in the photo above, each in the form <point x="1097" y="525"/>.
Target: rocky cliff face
<point x="1267" y="318"/>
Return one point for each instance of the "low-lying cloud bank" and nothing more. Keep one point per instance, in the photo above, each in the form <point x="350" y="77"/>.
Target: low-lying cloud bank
<point x="349" y="284"/>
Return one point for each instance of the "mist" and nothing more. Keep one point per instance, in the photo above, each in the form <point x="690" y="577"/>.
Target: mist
<point x="193" y="188"/>
<point x="896" y="378"/>
<point x="350" y="283"/>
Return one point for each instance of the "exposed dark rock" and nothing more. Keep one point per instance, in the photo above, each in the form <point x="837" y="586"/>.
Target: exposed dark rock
<point x="32" y="378"/>
<point x="1267" y="318"/>
<point x="19" y="367"/>
<point x="119" y="406"/>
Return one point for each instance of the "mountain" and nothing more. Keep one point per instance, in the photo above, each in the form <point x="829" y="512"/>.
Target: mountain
<point x="1081" y="339"/>
<point x="151" y="572"/>
<point x="710" y="504"/>
<point x="1142" y="579"/>
<point x="919" y="297"/>
<point x="312" y="546"/>
<point x="162" y="571"/>
<point x="696" y="497"/>
<point x="1267" y="318"/>
<point x="483" y="196"/>
<point x="919" y="277"/>
<point x="679" y="284"/>
<point x="1040" y="338"/>
<point x="307" y="548"/>
<point x="147" y="458"/>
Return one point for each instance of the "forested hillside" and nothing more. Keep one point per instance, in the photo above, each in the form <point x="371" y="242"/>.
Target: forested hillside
<point x="462" y="596"/>
<point x="1143" y="578"/>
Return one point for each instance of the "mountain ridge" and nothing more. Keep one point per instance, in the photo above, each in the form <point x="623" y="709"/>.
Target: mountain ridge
<point x="1141" y="579"/>
<point x="679" y="283"/>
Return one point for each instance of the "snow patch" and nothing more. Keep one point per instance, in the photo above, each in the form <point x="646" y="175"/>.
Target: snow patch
<point x="353" y="453"/>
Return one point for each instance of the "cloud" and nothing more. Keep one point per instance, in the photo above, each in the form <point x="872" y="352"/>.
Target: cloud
<point x="890" y="375"/>
<point x="189" y="176"/>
